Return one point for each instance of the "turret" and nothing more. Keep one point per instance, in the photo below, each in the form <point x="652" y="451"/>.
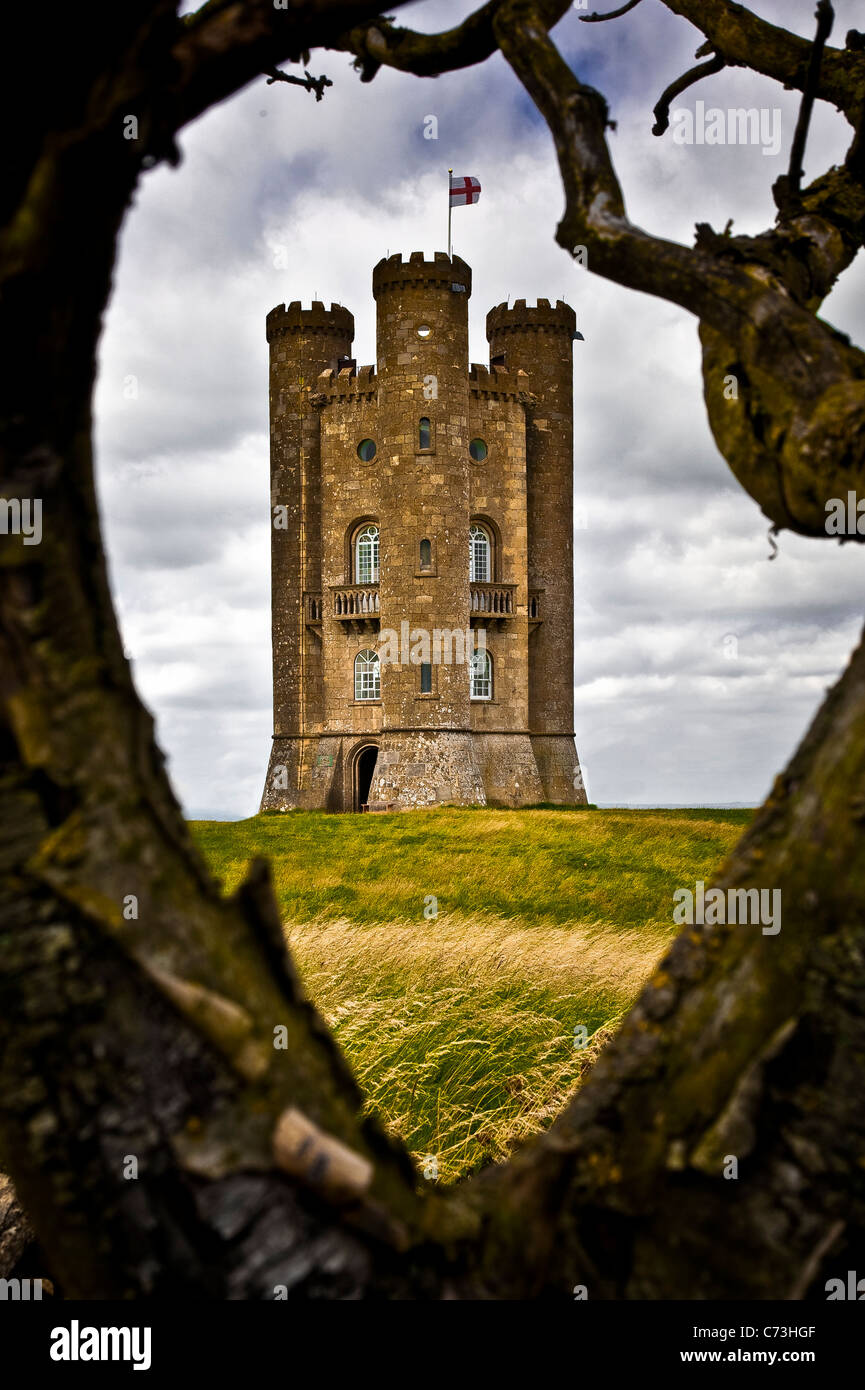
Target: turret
<point x="303" y="343"/>
<point x="423" y="393"/>
<point x="422" y="322"/>
<point x="539" y="340"/>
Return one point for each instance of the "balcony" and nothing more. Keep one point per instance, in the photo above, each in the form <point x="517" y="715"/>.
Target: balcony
<point x="313" y="610"/>
<point x="492" y="604"/>
<point x="356" y="605"/>
<point x="536" y="608"/>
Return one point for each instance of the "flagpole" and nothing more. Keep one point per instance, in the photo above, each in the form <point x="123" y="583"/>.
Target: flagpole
<point x="450" y="172"/>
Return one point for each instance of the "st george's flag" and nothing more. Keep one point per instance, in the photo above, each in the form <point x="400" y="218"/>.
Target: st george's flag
<point x="464" y="191"/>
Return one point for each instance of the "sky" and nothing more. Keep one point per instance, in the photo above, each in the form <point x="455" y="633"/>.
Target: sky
<point x="699" y="661"/>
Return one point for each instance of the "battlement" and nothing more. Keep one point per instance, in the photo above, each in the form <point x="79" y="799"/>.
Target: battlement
<point x="359" y="383"/>
<point x="498" y="383"/>
<point x="545" y="317"/>
<point x="337" y="320"/>
<point x="441" y="273"/>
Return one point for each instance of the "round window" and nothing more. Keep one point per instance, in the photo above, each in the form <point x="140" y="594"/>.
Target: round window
<point x="478" y="450"/>
<point x="366" y="450"/>
<point x="424" y="331"/>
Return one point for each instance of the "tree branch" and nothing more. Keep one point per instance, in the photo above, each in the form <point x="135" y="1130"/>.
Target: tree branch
<point x="428" y="55"/>
<point x="225" y="45"/>
<point x="787" y="189"/>
<point x="748" y="41"/>
<point x="742" y="37"/>
<point x="662" y="108"/>
<point x="598" y="18"/>
<point x="612" y="14"/>
<point x="312" y="84"/>
<point x="594" y="215"/>
<point x="803" y="389"/>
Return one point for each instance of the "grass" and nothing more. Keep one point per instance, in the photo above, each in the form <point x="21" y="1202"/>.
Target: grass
<point x="455" y="952"/>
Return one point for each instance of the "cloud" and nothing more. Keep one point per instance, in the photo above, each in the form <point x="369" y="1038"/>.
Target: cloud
<point x="280" y="198"/>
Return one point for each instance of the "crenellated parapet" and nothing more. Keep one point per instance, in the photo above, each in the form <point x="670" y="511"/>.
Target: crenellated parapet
<point x="350" y="383"/>
<point x="499" y="384"/>
<point x="439" y="273"/>
<point x="336" y="321"/>
<point x="541" y="318"/>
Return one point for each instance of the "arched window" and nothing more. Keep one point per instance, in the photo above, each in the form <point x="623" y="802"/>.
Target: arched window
<point x="366" y="555"/>
<point x="425" y="555"/>
<point x="481" y="676"/>
<point x="367" y="676"/>
<point x="425" y="433"/>
<point x="480" y="551"/>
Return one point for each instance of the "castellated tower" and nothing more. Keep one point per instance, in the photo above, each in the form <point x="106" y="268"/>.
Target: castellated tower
<point x="422" y="552"/>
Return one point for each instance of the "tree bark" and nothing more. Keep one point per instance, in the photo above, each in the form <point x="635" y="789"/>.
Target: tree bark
<point x="16" y="1234"/>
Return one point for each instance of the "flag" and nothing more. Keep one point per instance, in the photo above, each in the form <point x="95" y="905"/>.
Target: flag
<point x="464" y="191"/>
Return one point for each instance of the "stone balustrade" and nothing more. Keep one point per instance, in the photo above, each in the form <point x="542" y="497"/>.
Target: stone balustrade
<point x="492" y="601"/>
<point x="356" y="603"/>
<point x="313" y="608"/>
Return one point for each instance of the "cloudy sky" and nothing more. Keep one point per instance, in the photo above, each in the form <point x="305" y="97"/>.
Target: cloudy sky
<point x="698" y="661"/>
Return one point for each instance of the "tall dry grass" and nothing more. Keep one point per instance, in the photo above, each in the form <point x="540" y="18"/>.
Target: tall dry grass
<point x="461" y="1026"/>
<point x="462" y="1031"/>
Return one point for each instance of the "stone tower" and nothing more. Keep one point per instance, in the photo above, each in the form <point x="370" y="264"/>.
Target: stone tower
<point x="422" y="565"/>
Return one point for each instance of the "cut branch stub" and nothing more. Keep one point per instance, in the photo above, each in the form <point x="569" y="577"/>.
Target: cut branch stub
<point x="226" y="1024"/>
<point x="319" y="1160"/>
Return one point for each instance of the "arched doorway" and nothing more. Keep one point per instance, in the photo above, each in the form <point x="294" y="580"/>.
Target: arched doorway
<point x="364" y="766"/>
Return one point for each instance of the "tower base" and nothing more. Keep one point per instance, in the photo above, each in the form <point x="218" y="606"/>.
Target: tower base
<point x="305" y="774"/>
<point x="420" y="768"/>
<point x="417" y="769"/>
<point x="508" y="767"/>
<point x="559" y="769"/>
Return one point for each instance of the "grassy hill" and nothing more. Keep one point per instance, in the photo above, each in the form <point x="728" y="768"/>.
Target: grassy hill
<point x="455" y="952"/>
